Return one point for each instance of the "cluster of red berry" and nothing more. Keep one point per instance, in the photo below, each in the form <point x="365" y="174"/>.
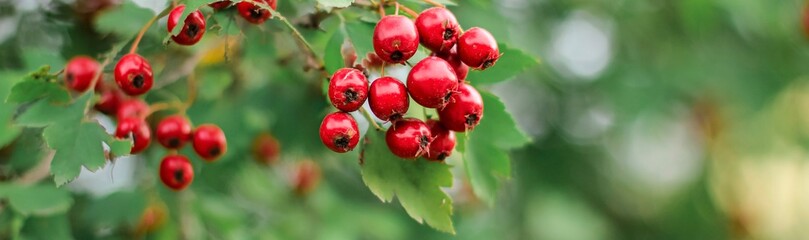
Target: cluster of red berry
<point x="437" y="81"/>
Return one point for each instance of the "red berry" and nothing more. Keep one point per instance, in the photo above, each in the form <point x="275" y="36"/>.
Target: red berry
<point x="438" y="29"/>
<point x="79" y="73"/>
<point x="464" y="110"/>
<point x="388" y="98"/>
<point x="255" y="14"/>
<point x="133" y="74"/>
<point x="266" y="149"/>
<point x="173" y="131"/>
<point x="408" y="138"/>
<point x="137" y="129"/>
<point x="461" y="70"/>
<point x="220" y="5"/>
<point x="132" y="108"/>
<point x="176" y="172"/>
<point x="306" y="177"/>
<point x="209" y="142"/>
<point x="443" y="141"/>
<point x="348" y="89"/>
<point x="478" y="49"/>
<point x="395" y="39"/>
<point x="339" y="132"/>
<point x="193" y="29"/>
<point x="431" y="82"/>
<point x="110" y="99"/>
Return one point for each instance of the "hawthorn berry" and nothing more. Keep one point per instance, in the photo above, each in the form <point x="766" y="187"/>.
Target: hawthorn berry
<point x="348" y="89"/>
<point x="339" y="132"/>
<point x="388" y="98"/>
<point x="478" y="49"/>
<point x="409" y="138"/>
<point x="79" y="73"/>
<point x="109" y="100"/>
<point x="438" y="29"/>
<point x="443" y="141"/>
<point x="176" y="172"/>
<point x="395" y="38"/>
<point x="133" y="74"/>
<point x="209" y="142"/>
<point x="137" y="129"/>
<point x="153" y="217"/>
<point x="461" y="70"/>
<point x="266" y="149"/>
<point x="173" y="131"/>
<point x="306" y="177"/>
<point x="132" y="108"/>
<point x="431" y="82"/>
<point x="464" y="110"/>
<point x="193" y="29"/>
<point x="219" y="5"/>
<point x="255" y="14"/>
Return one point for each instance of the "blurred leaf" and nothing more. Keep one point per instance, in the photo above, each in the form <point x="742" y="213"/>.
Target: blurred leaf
<point x="224" y="24"/>
<point x="360" y="34"/>
<point x="36" y="85"/>
<point x="35" y="58"/>
<point x="190" y="6"/>
<point x="50" y="227"/>
<point x="41" y="200"/>
<point x="335" y="3"/>
<point x="416" y="183"/>
<point x="128" y="206"/>
<point x="125" y="20"/>
<point x="333" y="56"/>
<point x="213" y="83"/>
<point x="8" y="131"/>
<point x="512" y="62"/>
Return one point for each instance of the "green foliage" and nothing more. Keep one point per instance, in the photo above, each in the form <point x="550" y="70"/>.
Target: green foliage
<point x="36" y="85"/>
<point x="128" y="205"/>
<point x="38" y="200"/>
<point x="360" y="34"/>
<point x="333" y="58"/>
<point x="512" y="62"/>
<point x="112" y="21"/>
<point x="335" y="3"/>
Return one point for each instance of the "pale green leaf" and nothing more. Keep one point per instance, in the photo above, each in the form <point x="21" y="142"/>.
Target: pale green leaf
<point x="361" y="36"/>
<point x="335" y="3"/>
<point x="41" y="200"/>
<point x="512" y="62"/>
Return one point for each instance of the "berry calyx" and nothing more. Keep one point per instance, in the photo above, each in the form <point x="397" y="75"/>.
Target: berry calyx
<point x="266" y="149"/>
<point x="255" y="14"/>
<point x="395" y="39"/>
<point x="132" y="108"/>
<point x="438" y="29"/>
<point x="461" y="70"/>
<point x="306" y="177"/>
<point x="133" y="74"/>
<point x="464" y="110"/>
<point x="173" y="132"/>
<point x="478" y="49"/>
<point x="443" y="141"/>
<point x="348" y="89"/>
<point x="193" y="29"/>
<point x="176" y="172"/>
<point x="408" y="138"/>
<point x="431" y="82"/>
<point x="339" y="132"/>
<point x="79" y="73"/>
<point x="388" y="98"/>
<point x="137" y="129"/>
<point x="209" y="142"/>
<point x="219" y="5"/>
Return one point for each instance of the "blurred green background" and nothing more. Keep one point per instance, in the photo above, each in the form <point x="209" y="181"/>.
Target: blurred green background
<point x="665" y="119"/>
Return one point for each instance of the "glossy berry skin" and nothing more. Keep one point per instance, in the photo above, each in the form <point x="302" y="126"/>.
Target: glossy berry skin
<point x="478" y="49"/>
<point x="438" y="29"/>
<point x="133" y="74"/>
<point x="173" y="132"/>
<point x="464" y="110"/>
<point x="339" y="132"/>
<point x="109" y="99"/>
<point x="209" y="142"/>
<point x="266" y="149"/>
<point x="253" y="13"/>
<point x="193" y="29"/>
<point x="79" y="73"/>
<point x="176" y="172"/>
<point x="431" y="82"/>
<point x="461" y="70"/>
<point x="220" y="5"/>
<point x="306" y="177"/>
<point x="137" y="129"/>
<point x="388" y="98"/>
<point x="348" y="89"/>
<point x="395" y="39"/>
<point x="132" y="108"/>
<point x="443" y="141"/>
<point x="408" y="138"/>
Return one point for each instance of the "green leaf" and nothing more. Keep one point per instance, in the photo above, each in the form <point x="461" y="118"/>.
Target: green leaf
<point x="36" y="85"/>
<point x="416" y="183"/>
<point x="128" y="205"/>
<point x="125" y="20"/>
<point x="512" y="62"/>
<point x="190" y="6"/>
<point x="8" y="131"/>
<point x="213" y="83"/>
<point x="360" y="34"/>
<point x="41" y="200"/>
<point x="335" y="3"/>
<point x="333" y="56"/>
<point x="224" y="24"/>
<point x="486" y="149"/>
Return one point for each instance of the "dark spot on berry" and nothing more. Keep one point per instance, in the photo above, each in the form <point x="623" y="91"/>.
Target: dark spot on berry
<point x="488" y="63"/>
<point x="174" y="142"/>
<point x="70" y="77"/>
<point x="396" y="56"/>
<point x="256" y="13"/>
<point x="179" y="176"/>
<point x="447" y="97"/>
<point x="448" y="33"/>
<point x="192" y="30"/>
<point x="442" y="156"/>
<point x="472" y="119"/>
<point x="351" y="95"/>
<point x="394" y="117"/>
<point x="424" y="141"/>
<point x="341" y="142"/>
<point x="138" y="81"/>
<point x="215" y="151"/>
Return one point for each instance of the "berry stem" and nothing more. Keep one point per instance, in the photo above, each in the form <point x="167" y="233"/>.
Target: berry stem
<point x="397" y="9"/>
<point x="407" y="10"/>
<point x="382" y="8"/>
<point x="434" y="3"/>
<point x="297" y="34"/>
<point x="146" y="28"/>
<point x="370" y="119"/>
<point x="192" y="91"/>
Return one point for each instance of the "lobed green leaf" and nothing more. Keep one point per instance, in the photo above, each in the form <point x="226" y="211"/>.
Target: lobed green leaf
<point x="512" y="62"/>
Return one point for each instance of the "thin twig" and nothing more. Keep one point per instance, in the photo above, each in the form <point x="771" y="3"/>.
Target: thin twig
<point x="407" y="10"/>
<point x="192" y="91"/>
<point x="146" y="28"/>
<point x="434" y="3"/>
<point x="370" y="119"/>
<point x="297" y="35"/>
